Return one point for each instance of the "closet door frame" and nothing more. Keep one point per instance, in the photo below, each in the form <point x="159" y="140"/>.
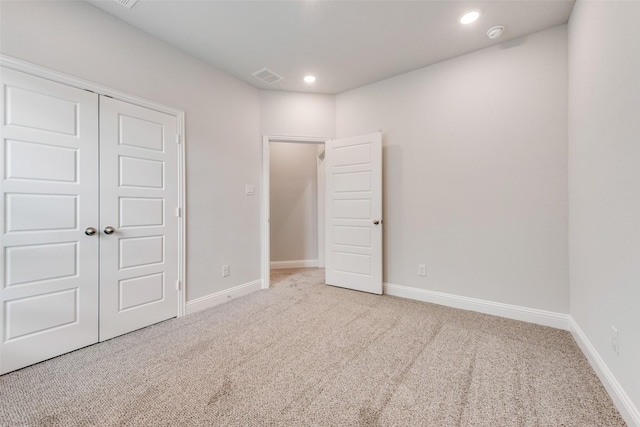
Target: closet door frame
<point x="38" y="71"/>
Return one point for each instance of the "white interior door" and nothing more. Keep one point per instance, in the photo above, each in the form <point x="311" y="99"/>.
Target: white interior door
<point x="354" y="213"/>
<point x="138" y="217"/>
<point x="49" y="197"/>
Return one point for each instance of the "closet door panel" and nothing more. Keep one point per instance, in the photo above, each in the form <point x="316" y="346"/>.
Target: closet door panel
<point x="138" y="199"/>
<point x="48" y="197"/>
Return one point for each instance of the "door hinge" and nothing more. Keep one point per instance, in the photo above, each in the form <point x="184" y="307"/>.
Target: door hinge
<point x="178" y="139"/>
<point x="178" y="285"/>
<point x="178" y="212"/>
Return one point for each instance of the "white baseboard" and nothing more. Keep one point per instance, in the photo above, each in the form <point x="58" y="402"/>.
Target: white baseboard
<point x="300" y="263"/>
<point x="625" y="406"/>
<point x="525" y="314"/>
<point x="218" y="298"/>
<point x="623" y="403"/>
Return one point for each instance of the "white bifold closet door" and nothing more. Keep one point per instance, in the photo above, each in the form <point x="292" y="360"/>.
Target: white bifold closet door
<point x="138" y="200"/>
<point x="49" y="197"/>
<point x="67" y="280"/>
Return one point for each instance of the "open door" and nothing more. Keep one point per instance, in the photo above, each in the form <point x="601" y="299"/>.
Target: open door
<point x="354" y="213"/>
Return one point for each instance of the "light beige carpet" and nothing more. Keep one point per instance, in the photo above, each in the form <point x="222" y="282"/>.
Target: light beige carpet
<point x="306" y="354"/>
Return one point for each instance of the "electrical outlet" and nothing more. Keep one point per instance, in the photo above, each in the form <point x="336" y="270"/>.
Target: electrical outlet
<point x="615" y="340"/>
<point x="422" y="270"/>
<point x="225" y="270"/>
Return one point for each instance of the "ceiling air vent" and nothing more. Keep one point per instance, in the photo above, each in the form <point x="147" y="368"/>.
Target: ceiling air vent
<point x="127" y="3"/>
<point x="267" y="76"/>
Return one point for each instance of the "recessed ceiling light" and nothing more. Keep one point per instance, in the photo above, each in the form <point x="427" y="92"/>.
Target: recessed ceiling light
<point x="309" y="79"/>
<point x="469" y="17"/>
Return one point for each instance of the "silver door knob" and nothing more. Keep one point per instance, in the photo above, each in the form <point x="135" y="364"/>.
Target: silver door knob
<point x="90" y="231"/>
<point x="376" y="222"/>
<point x="109" y="230"/>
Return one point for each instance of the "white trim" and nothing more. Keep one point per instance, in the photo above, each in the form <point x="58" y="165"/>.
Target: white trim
<point x="321" y="192"/>
<point x="56" y="76"/>
<point x="182" y="219"/>
<point x="45" y="73"/>
<point x="525" y="314"/>
<point x="264" y="215"/>
<point x="221" y="297"/>
<point x="265" y="261"/>
<point x="299" y="263"/>
<point x="299" y="139"/>
<point x="623" y="402"/>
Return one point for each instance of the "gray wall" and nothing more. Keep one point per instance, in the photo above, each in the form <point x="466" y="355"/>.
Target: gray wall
<point x="297" y="114"/>
<point x="475" y="171"/>
<point x="294" y="114"/>
<point x="475" y="152"/>
<point x="222" y="122"/>
<point x="604" y="181"/>
<point x="294" y="218"/>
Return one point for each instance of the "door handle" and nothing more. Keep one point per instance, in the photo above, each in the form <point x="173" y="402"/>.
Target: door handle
<point x="109" y="230"/>
<point x="376" y="222"/>
<point x="90" y="231"/>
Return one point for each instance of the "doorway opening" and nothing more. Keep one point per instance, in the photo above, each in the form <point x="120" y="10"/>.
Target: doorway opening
<point x="293" y="203"/>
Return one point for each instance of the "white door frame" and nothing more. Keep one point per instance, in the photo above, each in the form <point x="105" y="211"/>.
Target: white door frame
<point x="321" y="177"/>
<point x="38" y="71"/>
<point x="265" y="202"/>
